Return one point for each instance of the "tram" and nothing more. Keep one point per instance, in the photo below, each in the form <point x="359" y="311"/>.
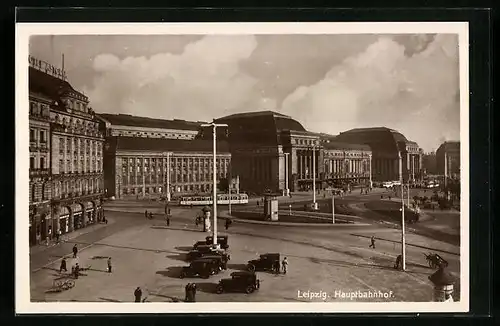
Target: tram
<point x="222" y="199"/>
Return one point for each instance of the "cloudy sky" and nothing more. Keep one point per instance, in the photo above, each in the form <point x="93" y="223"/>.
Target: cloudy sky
<point x="330" y="83"/>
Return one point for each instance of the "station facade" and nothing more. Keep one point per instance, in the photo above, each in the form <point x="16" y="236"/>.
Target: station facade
<point x="146" y="157"/>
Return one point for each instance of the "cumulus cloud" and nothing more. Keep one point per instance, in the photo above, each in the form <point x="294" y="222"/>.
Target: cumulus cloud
<point x="385" y="86"/>
<point x="202" y="80"/>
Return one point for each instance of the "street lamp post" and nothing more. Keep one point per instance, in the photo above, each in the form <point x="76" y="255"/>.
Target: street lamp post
<point x="214" y="126"/>
<point x="287" y="191"/>
<point x="403" y="237"/>
<point x="168" y="177"/>
<point x="371" y="183"/>
<point x="333" y="207"/>
<point x="315" y="205"/>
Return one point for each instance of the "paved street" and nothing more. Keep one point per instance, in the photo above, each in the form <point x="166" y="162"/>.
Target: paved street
<point x="145" y="253"/>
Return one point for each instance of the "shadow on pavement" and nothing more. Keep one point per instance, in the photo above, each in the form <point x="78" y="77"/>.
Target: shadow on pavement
<point x="172" y="299"/>
<point x="185" y="248"/>
<point x="206" y="287"/>
<point x="172" y="272"/>
<point x="109" y="300"/>
<point x="238" y="267"/>
<point x="181" y="257"/>
<point x="340" y="263"/>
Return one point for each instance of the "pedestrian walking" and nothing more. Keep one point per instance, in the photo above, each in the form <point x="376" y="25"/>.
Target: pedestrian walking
<point x="193" y="292"/>
<point x="58" y="234"/>
<point x="228" y="223"/>
<point x="77" y="270"/>
<point x="109" y="265"/>
<point x="399" y="258"/>
<point x="187" y="289"/>
<point x="372" y="242"/>
<point x="146" y="214"/>
<point x="284" y="263"/>
<point x="63" y="266"/>
<point x="75" y="251"/>
<point x="138" y="294"/>
<point x="168" y="220"/>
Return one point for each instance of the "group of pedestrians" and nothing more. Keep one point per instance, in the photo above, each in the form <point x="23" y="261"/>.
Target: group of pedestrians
<point x="399" y="258"/>
<point x="284" y="266"/>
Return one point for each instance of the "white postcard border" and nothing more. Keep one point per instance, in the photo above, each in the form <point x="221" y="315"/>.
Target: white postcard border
<point x="22" y="270"/>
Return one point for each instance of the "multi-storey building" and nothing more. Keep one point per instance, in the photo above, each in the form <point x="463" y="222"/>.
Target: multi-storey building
<point x="448" y="159"/>
<point x="148" y="157"/>
<point x="272" y="151"/>
<point x="40" y="219"/>
<point x="387" y="146"/>
<point x="76" y="146"/>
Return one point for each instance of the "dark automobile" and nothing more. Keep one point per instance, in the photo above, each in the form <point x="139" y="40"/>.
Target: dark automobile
<point x="196" y="254"/>
<point x="200" y="267"/>
<point x="200" y="243"/>
<point x="220" y="261"/>
<point x="221" y="239"/>
<point x="239" y="281"/>
<point x="202" y="247"/>
<point x="266" y="262"/>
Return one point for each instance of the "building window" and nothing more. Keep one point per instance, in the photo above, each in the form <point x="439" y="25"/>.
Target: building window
<point x="32" y="135"/>
<point x="42" y="163"/>
<point x="32" y="162"/>
<point x="61" y="166"/>
<point x="43" y="137"/>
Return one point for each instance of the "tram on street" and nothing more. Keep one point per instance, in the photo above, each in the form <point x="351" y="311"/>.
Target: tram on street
<point x="222" y="199"/>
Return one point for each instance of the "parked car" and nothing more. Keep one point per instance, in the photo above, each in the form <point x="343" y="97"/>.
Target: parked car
<point x="221" y="239"/>
<point x="239" y="281"/>
<point x="219" y="260"/>
<point x="197" y="254"/>
<point x="266" y="262"/>
<point x="200" y="267"/>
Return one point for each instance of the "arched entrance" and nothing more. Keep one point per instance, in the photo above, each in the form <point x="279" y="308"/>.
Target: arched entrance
<point x="78" y="218"/>
<point x="90" y="214"/>
<point x="64" y="219"/>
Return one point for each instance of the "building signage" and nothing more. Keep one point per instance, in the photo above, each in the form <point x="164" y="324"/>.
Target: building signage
<point x="46" y="67"/>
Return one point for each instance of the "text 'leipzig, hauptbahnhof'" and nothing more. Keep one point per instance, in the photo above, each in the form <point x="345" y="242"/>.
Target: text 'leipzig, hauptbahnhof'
<point x="79" y="157"/>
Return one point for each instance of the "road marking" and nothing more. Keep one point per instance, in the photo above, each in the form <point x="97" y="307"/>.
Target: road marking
<point x="64" y="256"/>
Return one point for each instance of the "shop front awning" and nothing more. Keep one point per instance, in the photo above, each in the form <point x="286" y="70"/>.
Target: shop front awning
<point x="63" y="212"/>
<point x="89" y="206"/>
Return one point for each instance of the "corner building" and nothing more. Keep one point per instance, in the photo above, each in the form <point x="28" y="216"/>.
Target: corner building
<point x="146" y="157"/>
<point x="448" y="159"/>
<point x="386" y="145"/>
<point x="76" y="146"/>
<point x="40" y="187"/>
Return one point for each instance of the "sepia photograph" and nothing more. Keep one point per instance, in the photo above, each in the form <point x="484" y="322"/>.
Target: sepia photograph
<point x="299" y="167"/>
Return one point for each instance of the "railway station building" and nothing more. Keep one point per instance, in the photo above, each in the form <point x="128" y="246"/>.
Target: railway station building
<point x="145" y="157"/>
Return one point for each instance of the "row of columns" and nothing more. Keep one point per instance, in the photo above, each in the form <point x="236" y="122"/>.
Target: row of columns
<point x="305" y="164"/>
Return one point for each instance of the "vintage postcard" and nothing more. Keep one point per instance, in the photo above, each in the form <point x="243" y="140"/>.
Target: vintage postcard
<point x="299" y="167"/>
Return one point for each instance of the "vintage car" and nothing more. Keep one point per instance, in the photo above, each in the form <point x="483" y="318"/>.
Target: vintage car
<point x="266" y="262"/>
<point x="200" y="244"/>
<point x="239" y="281"/>
<point x="221" y="239"/>
<point x="220" y="260"/>
<point x="200" y="267"/>
<point x="196" y="254"/>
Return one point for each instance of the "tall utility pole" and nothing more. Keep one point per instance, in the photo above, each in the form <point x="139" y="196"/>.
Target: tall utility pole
<point x="333" y="207"/>
<point x="214" y="128"/>
<point x="315" y="205"/>
<point x="287" y="191"/>
<point x="371" y="183"/>
<point x="445" y="168"/>
<point x="229" y="188"/>
<point x="403" y="237"/>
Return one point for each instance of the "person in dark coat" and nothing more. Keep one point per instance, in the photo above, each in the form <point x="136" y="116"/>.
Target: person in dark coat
<point x="138" y="294"/>
<point x="75" y="251"/>
<point x="228" y="223"/>
<point x="146" y="214"/>
<point x="372" y="242"/>
<point x="187" y="297"/>
<point x="193" y="292"/>
<point x="77" y="270"/>
<point x="109" y="265"/>
<point x="168" y="220"/>
<point x="63" y="266"/>
<point x="399" y="259"/>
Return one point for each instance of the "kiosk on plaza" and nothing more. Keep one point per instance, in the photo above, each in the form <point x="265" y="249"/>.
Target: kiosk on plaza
<point x="271" y="206"/>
